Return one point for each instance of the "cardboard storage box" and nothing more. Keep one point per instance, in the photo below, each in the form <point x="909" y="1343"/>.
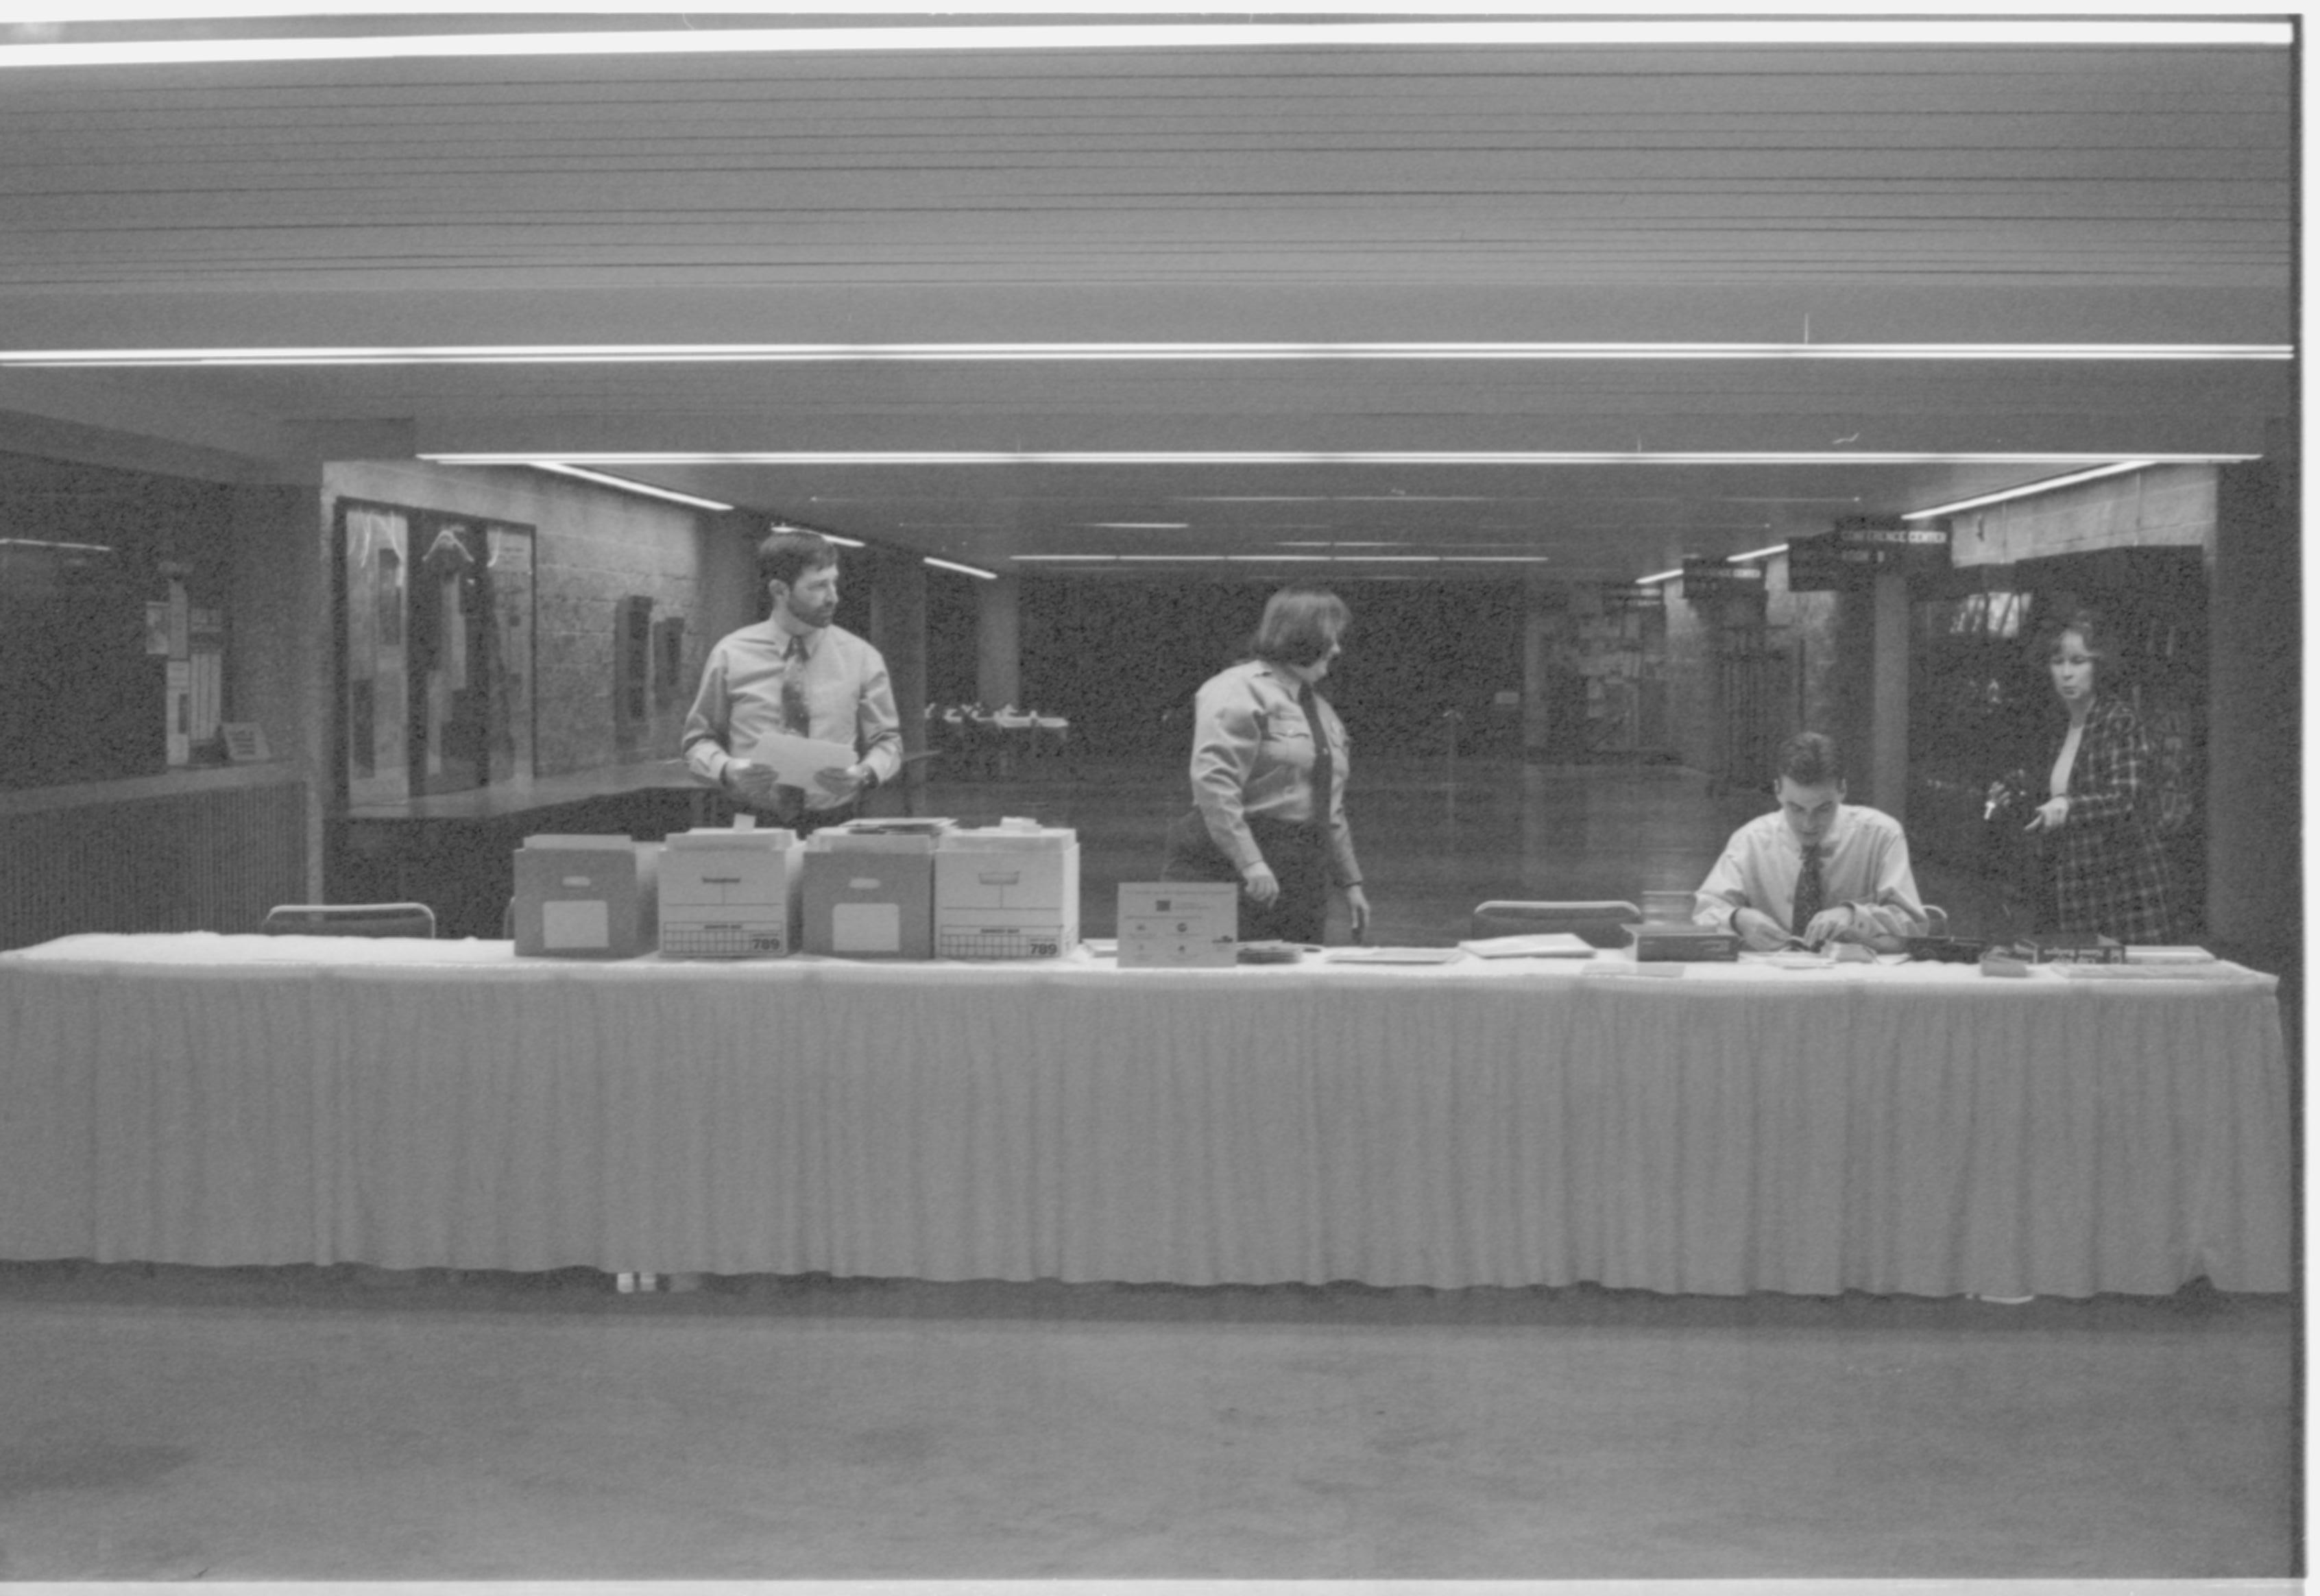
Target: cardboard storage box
<point x="585" y="897"/>
<point x="1009" y="891"/>
<point x="730" y="892"/>
<point x="869" y="890"/>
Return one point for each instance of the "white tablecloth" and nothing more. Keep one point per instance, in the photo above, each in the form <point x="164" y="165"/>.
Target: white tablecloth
<point x="1921" y="1129"/>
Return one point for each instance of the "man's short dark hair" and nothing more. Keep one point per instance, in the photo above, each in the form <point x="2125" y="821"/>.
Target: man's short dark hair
<point x="1300" y="625"/>
<point x="1809" y="759"/>
<point x="786" y="555"/>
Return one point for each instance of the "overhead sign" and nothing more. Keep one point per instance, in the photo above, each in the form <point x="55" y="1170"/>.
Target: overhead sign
<point x="1706" y="576"/>
<point x="1848" y="554"/>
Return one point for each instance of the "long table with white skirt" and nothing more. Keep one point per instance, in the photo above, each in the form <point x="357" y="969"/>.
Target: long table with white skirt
<point x="1894" y="1128"/>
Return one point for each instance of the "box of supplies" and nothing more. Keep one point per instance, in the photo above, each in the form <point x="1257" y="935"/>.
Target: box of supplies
<point x="869" y="890"/>
<point x="1669" y="944"/>
<point x="731" y="891"/>
<point x="585" y="897"/>
<point x="1007" y="890"/>
<point x="1179" y="925"/>
<point x="2071" y="948"/>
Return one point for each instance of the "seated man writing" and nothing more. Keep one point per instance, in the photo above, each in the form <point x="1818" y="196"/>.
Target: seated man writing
<point x="1815" y="871"/>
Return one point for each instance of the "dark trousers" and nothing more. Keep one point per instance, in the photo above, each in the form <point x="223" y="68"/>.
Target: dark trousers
<point x="1298" y="853"/>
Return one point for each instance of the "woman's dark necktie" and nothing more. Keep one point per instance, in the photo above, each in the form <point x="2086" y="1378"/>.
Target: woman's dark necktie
<point x="1325" y="770"/>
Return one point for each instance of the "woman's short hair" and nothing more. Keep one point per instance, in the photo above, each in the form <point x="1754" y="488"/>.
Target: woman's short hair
<point x="1809" y="759"/>
<point x="1300" y="627"/>
<point x="786" y="555"/>
<point x="2094" y="630"/>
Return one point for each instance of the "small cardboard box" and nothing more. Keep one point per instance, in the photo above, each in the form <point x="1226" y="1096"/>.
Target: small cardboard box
<point x="2071" y="948"/>
<point x="585" y="897"/>
<point x="1179" y="925"/>
<point x="1655" y="944"/>
<point x="869" y="893"/>
<point x="730" y="892"/>
<point x="1009" y="891"/>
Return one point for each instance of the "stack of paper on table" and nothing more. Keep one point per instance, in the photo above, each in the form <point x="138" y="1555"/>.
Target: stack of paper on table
<point x="1536" y="945"/>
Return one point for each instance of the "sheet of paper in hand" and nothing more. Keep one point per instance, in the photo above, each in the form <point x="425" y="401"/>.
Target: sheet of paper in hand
<point x="795" y="759"/>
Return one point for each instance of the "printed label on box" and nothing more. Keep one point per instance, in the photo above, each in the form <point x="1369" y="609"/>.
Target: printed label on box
<point x="574" y="922"/>
<point x="865" y="927"/>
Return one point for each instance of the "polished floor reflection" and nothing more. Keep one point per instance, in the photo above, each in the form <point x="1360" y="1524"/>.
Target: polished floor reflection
<point x="1435" y="838"/>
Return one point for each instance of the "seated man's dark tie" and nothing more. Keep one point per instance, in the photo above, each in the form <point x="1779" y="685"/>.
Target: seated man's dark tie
<point x="1809" y="893"/>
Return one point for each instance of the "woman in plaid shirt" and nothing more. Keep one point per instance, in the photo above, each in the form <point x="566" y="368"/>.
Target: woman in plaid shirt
<point x="2107" y="871"/>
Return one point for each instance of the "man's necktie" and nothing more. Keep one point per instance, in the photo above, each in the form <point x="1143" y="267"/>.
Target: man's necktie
<point x="1325" y="769"/>
<point x="797" y="720"/>
<point x="1808" y="891"/>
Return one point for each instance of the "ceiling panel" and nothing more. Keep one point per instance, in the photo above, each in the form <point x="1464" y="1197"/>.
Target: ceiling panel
<point x="1798" y="195"/>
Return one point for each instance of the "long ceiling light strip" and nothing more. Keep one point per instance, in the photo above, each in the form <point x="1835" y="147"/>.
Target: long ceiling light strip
<point x="2047" y="484"/>
<point x="1554" y="34"/>
<point x="117" y="10"/>
<point x="981" y="353"/>
<point x="952" y="564"/>
<point x="626" y="486"/>
<point x="892" y="457"/>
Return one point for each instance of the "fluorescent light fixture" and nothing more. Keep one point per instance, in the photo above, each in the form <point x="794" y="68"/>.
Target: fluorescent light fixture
<point x="2048" y="484"/>
<point x="1279" y="558"/>
<point x="627" y="487"/>
<point x="972" y="353"/>
<point x="952" y="564"/>
<point x="1376" y="559"/>
<point x="891" y="458"/>
<point x="1559" y="34"/>
<point x="1764" y="553"/>
<point x="51" y="543"/>
<point x="783" y="526"/>
<point x="1065" y="557"/>
<point x="1498" y="559"/>
<point x="18" y="12"/>
<point x="1660" y="577"/>
<point x="1139" y="526"/>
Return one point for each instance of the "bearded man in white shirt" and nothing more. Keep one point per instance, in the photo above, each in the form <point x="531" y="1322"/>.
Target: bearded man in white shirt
<point x="795" y="673"/>
<point x="1817" y="870"/>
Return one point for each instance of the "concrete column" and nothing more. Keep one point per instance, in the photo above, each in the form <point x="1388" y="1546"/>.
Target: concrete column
<point x="1889" y="720"/>
<point x="898" y="630"/>
<point x="1542" y="605"/>
<point x="283" y="661"/>
<point x="2254" y="706"/>
<point x="999" y="642"/>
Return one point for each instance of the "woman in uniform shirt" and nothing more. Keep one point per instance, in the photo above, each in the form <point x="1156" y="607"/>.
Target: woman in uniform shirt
<point x="1269" y="779"/>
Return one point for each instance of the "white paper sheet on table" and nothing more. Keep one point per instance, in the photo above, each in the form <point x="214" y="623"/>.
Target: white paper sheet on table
<point x="795" y="759"/>
<point x="1534" y="945"/>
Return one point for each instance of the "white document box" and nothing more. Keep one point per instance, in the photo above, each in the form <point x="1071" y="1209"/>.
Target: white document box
<point x="730" y="892"/>
<point x="1009" y="891"/>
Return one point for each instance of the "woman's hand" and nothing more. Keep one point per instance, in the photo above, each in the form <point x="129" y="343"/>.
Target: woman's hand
<point x="2049" y="815"/>
<point x="1357" y="904"/>
<point x="1260" y="883"/>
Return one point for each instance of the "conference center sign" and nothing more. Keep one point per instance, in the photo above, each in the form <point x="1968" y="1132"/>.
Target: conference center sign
<point x="1849" y="553"/>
